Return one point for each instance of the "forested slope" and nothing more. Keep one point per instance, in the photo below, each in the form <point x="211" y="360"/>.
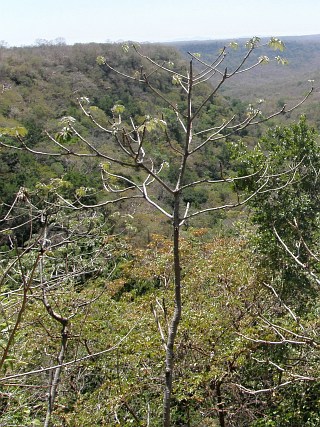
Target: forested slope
<point x="276" y="84"/>
<point x="159" y="241"/>
<point x="41" y="85"/>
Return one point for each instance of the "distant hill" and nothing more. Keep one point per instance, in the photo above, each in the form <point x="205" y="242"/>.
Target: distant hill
<point x="273" y="82"/>
<point x="39" y="85"/>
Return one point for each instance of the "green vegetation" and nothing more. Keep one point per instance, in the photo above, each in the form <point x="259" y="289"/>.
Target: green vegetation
<point x="159" y="251"/>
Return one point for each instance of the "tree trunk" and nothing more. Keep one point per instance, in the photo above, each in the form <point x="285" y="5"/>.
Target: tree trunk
<point x="173" y="327"/>
<point x="55" y="378"/>
<point x="220" y="405"/>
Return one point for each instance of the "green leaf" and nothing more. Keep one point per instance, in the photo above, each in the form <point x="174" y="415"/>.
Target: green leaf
<point x="7" y="232"/>
<point x="176" y="80"/>
<point x="14" y="131"/>
<point x="252" y="43"/>
<point x="276" y="44"/>
<point x="281" y="61"/>
<point x="264" y="59"/>
<point x="234" y="45"/>
<point x="8" y="363"/>
<point x="118" y="109"/>
<point x="101" y="60"/>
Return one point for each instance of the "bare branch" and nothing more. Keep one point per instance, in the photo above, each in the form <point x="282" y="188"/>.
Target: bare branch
<point x="294" y="317"/>
<point x="155" y="315"/>
<point x="209" y="68"/>
<point x="229" y="205"/>
<point x="295" y="258"/>
<point x="276" y="387"/>
<point x="158" y="207"/>
<point x="72" y="362"/>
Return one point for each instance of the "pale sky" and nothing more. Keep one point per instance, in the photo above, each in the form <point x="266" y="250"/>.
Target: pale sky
<point x="24" y="21"/>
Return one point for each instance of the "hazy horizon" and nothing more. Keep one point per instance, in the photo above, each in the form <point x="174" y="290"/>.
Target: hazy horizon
<point x="100" y="21"/>
<point x="62" y="40"/>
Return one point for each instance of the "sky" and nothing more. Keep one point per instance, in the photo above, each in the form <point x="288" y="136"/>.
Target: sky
<point x="23" y="22"/>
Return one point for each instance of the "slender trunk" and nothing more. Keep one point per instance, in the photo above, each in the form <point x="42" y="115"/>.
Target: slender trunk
<point x="64" y="322"/>
<point x="26" y="287"/>
<point x="55" y="378"/>
<point x="173" y="327"/>
<point x="220" y="405"/>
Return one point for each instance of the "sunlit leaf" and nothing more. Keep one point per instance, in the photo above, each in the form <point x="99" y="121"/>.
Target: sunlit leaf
<point x="125" y="47"/>
<point x="21" y="131"/>
<point x="118" y="109"/>
<point x="281" y="61"/>
<point x="276" y="44"/>
<point x="85" y="99"/>
<point x="153" y="124"/>
<point x="252" y="43"/>
<point x="264" y="59"/>
<point x="234" y="45"/>
<point x="50" y="254"/>
<point x="64" y="135"/>
<point x="105" y="166"/>
<point x="176" y="80"/>
<point x="14" y="131"/>
<point x="101" y="60"/>
<point x="67" y="120"/>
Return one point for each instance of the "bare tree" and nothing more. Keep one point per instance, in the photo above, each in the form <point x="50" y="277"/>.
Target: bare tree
<point x="43" y="270"/>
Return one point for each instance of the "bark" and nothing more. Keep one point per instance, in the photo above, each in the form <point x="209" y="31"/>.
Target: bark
<point x="26" y="287"/>
<point x="173" y="327"/>
<point x="220" y="405"/>
<point x="56" y="374"/>
<point x="55" y="377"/>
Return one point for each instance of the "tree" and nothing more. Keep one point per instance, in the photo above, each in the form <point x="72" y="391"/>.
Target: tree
<point x="145" y="145"/>
<point x="287" y="221"/>
<point x="285" y="237"/>
<point x="47" y="255"/>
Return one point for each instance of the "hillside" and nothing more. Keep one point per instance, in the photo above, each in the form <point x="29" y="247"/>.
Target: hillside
<point x="159" y="243"/>
<point x="41" y="85"/>
<point x="274" y="83"/>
